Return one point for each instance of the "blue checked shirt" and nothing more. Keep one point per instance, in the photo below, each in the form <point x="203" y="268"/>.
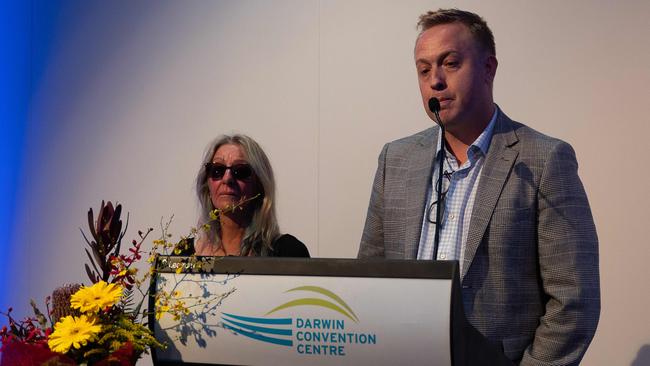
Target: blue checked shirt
<point x="459" y="200"/>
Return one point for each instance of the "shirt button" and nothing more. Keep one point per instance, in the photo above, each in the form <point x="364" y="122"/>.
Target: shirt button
<point x="452" y="217"/>
<point x="443" y="256"/>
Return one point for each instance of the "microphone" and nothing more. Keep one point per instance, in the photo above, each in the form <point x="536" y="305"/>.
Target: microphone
<point x="434" y="107"/>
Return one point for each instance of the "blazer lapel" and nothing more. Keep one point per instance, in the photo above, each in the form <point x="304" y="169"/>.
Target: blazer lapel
<point x="498" y="163"/>
<point x="417" y="182"/>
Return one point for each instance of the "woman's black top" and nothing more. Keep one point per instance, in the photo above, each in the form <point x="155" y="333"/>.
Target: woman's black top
<point x="284" y="246"/>
<point x="288" y="246"/>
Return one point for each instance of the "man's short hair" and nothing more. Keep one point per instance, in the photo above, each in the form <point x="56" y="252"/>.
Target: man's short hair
<point x="477" y="26"/>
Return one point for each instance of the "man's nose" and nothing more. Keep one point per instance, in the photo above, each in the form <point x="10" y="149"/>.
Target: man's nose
<point x="437" y="80"/>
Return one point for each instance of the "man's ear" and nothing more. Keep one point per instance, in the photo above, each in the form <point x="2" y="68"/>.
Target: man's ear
<point x="491" y="65"/>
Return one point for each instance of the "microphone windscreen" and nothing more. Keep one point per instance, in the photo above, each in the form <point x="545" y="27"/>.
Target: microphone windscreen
<point x="434" y="105"/>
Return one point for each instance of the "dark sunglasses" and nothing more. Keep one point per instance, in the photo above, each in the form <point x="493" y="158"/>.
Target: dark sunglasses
<point x="239" y="171"/>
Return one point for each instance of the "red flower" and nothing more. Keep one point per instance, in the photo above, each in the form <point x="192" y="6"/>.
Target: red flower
<point x="125" y="356"/>
<point x="26" y="354"/>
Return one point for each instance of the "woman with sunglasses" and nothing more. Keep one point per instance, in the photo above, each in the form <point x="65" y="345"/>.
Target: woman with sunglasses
<point x="236" y="183"/>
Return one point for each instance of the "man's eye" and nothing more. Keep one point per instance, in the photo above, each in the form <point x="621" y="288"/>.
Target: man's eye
<point x="452" y="64"/>
<point x="424" y="72"/>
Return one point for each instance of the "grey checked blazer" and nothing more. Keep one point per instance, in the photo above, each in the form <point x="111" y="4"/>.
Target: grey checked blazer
<point x="530" y="280"/>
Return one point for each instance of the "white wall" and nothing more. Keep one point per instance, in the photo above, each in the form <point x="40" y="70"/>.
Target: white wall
<point x="132" y="92"/>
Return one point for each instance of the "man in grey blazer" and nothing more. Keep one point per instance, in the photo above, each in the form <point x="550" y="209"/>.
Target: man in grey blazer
<point x="516" y="214"/>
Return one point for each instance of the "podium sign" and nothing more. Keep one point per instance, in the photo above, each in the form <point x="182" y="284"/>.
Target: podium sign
<point x="274" y="311"/>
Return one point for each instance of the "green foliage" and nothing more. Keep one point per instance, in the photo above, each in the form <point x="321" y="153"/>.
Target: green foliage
<point x="115" y="335"/>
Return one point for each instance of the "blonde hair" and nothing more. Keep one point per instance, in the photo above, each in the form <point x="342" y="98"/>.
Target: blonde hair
<point x="477" y="25"/>
<point x="263" y="228"/>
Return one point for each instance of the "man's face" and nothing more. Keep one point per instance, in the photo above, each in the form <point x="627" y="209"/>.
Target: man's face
<point x="453" y="68"/>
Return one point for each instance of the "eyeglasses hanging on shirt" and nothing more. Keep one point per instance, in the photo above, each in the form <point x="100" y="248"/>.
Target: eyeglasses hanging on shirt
<point x="446" y="181"/>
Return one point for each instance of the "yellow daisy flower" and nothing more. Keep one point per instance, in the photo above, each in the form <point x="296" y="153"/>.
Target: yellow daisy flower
<point x="72" y="332"/>
<point x="96" y="297"/>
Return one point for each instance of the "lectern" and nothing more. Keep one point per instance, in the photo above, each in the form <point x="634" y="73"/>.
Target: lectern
<point x="290" y="311"/>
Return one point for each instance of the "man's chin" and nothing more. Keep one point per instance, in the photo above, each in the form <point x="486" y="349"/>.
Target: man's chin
<point x="447" y="117"/>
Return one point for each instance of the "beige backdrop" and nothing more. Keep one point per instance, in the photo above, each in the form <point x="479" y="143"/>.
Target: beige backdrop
<point x="133" y="92"/>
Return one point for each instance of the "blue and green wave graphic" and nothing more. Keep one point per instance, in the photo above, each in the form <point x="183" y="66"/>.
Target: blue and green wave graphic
<point x="279" y="330"/>
<point x="338" y="305"/>
<point x="276" y="331"/>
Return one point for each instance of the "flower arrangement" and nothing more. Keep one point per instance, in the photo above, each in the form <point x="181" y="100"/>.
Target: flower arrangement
<point x="103" y="324"/>
<point x="100" y="324"/>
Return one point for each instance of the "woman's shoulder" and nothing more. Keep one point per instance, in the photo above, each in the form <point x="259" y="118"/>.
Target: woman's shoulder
<point x="287" y="245"/>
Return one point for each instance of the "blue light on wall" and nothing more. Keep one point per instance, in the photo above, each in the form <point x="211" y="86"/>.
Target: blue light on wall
<point x="14" y="104"/>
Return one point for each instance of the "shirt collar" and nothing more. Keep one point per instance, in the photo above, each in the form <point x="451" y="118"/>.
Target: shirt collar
<point x="482" y="142"/>
<point x="484" y="139"/>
